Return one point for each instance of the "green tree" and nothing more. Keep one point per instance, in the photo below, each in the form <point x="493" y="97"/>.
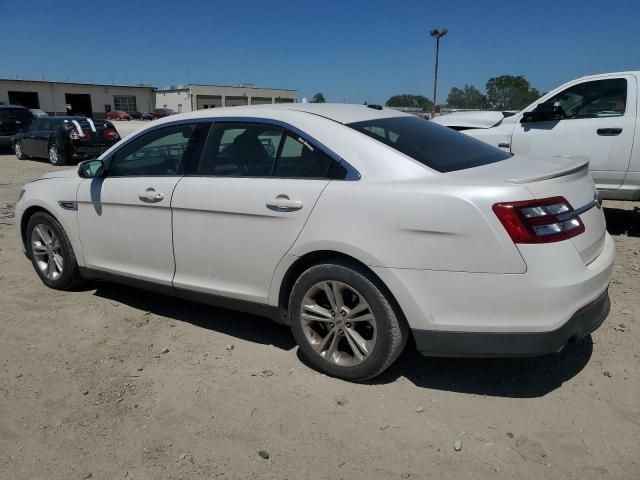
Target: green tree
<point x="468" y="97"/>
<point x="408" y="100"/>
<point x="509" y="92"/>
<point x="318" y="98"/>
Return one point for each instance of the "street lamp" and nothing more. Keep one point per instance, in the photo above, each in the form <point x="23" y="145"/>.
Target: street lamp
<point x="437" y="34"/>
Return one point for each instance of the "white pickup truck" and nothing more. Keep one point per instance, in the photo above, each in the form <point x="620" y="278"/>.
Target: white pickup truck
<point x="593" y="118"/>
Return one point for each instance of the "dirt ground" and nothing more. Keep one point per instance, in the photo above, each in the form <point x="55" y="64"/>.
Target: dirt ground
<point x="87" y="392"/>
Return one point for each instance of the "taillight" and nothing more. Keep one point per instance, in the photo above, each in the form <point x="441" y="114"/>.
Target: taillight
<point x="539" y="221"/>
<point x="84" y="135"/>
<point x="110" y="133"/>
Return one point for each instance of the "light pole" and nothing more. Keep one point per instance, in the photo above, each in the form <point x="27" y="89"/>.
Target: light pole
<point x="437" y="34"/>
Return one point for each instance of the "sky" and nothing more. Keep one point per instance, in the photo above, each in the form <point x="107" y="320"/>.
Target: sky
<point x="351" y="51"/>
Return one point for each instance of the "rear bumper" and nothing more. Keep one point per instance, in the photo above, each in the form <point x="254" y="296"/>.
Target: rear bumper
<point x="83" y="152"/>
<point x="513" y="344"/>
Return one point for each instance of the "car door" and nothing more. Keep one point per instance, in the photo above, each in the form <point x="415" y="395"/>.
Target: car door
<point x="42" y="135"/>
<point x="125" y="217"/>
<point x="242" y="208"/>
<point x="599" y="126"/>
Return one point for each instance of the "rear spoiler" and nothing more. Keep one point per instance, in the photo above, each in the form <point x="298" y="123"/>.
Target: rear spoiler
<point x="574" y="166"/>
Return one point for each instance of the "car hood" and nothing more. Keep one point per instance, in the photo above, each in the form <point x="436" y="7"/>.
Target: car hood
<point x="476" y="119"/>
<point x="67" y="173"/>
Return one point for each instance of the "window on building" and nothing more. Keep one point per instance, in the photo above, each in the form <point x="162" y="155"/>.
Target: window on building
<point x="126" y="103"/>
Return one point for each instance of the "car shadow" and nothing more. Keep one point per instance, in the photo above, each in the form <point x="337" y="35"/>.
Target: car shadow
<point x="508" y="377"/>
<point x="240" y="325"/>
<point x="621" y="221"/>
<point x="496" y="377"/>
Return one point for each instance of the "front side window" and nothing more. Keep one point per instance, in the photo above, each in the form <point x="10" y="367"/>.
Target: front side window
<point x="160" y="152"/>
<point x="595" y="99"/>
<point x="435" y="146"/>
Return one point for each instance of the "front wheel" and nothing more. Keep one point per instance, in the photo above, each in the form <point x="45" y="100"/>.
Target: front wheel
<point x="344" y="321"/>
<point x="56" y="156"/>
<point x="51" y="253"/>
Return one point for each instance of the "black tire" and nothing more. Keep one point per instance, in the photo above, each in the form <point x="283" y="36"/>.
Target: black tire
<point x="57" y="156"/>
<point x="392" y="329"/>
<point x="17" y="149"/>
<point x="70" y="275"/>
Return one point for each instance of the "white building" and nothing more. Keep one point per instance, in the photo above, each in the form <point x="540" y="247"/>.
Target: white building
<point x="186" y="98"/>
<point x="66" y="98"/>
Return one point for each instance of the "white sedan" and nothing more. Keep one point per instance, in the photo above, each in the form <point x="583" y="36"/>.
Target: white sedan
<point x="358" y="226"/>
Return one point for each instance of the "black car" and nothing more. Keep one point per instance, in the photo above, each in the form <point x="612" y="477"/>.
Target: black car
<point x="141" y="116"/>
<point x="12" y="119"/>
<point x="62" y="139"/>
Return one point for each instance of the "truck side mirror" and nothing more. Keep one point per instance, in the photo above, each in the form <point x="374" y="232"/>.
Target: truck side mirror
<point x="544" y="112"/>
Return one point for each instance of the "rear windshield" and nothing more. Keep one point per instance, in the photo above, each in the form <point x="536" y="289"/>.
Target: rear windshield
<point x="20" y="114"/>
<point x="435" y="146"/>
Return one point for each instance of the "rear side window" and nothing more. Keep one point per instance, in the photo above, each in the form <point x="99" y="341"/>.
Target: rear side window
<point x="263" y="150"/>
<point x="435" y="146"/>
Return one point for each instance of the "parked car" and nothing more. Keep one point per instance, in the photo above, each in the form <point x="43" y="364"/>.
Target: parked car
<point x="62" y="139"/>
<point x="117" y="115"/>
<point x="12" y="119"/>
<point x="141" y="116"/>
<point x="38" y="113"/>
<point x="594" y="118"/>
<point x="363" y="228"/>
<point x="162" y="112"/>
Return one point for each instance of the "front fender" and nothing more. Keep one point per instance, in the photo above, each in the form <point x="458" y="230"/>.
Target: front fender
<point x="46" y="195"/>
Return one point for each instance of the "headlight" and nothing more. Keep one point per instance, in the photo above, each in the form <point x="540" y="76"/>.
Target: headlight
<point x="22" y="192"/>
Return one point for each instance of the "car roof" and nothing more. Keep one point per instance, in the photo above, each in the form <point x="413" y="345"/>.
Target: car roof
<point x="338" y="112"/>
<point x="13" y="106"/>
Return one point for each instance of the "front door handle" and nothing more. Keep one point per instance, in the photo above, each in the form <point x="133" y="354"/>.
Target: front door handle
<point x="609" y="132"/>
<point x="282" y="203"/>
<point x="151" y="196"/>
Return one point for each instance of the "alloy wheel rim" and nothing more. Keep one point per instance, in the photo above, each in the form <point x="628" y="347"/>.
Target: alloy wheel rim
<point x="18" y="149"/>
<point x="47" y="251"/>
<point x="53" y="154"/>
<point x="338" y="323"/>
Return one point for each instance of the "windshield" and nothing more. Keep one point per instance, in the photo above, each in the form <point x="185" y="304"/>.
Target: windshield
<point x="20" y="114"/>
<point x="435" y="146"/>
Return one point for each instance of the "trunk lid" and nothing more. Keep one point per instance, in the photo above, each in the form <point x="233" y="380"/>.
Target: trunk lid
<point x="552" y="177"/>
<point x="574" y="183"/>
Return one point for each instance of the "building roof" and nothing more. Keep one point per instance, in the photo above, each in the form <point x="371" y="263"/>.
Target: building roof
<point x="84" y="84"/>
<point x="246" y="87"/>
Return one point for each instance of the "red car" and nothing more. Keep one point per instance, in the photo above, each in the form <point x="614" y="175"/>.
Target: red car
<point x="118" y="115"/>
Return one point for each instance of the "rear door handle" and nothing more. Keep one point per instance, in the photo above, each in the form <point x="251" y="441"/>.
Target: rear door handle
<point x="151" y="196"/>
<point x="609" y="132"/>
<point x="282" y="203"/>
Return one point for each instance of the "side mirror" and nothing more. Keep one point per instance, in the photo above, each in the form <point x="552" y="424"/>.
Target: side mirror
<point x="91" y="169"/>
<point x="544" y="112"/>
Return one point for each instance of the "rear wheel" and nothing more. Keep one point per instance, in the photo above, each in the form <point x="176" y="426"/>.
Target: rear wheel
<point x="51" y="253"/>
<point x="344" y="322"/>
<point x="17" y="148"/>
<point x="56" y="156"/>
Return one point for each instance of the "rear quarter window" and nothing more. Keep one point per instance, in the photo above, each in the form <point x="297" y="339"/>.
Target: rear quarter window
<point x="435" y="146"/>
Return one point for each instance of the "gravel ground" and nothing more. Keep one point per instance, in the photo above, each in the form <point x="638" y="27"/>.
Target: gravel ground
<point x="87" y="392"/>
